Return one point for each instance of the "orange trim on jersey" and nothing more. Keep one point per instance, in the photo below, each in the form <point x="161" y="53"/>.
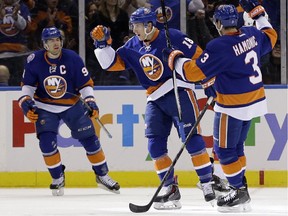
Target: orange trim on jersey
<point x="53" y="159"/>
<point x="155" y="35"/>
<point x="96" y="158"/>
<point x="197" y="53"/>
<point x="151" y="89"/>
<point x="70" y="101"/>
<point x="192" y="71"/>
<point x="239" y="9"/>
<point x="232" y="168"/>
<point x="223" y="130"/>
<point x="162" y="163"/>
<point x="195" y="108"/>
<point x="88" y="83"/>
<point x="118" y="65"/>
<point x="13" y="47"/>
<point x="240" y="99"/>
<point x="48" y="62"/>
<point x="272" y="34"/>
<point x="200" y="160"/>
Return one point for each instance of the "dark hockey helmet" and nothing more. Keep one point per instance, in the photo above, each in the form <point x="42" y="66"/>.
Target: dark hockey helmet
<point x="143" y="15"/>
<point x="227" y="15"/>
<point x="49" y="33"/>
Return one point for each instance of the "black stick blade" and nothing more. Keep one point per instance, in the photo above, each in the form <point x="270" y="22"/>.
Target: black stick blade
<point x="139" y="209"/>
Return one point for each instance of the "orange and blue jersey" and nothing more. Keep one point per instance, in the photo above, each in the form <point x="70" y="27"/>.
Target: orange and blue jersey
<point x="55" y="79"/>
<point x="234" y="60"/>
<point x="146" y="60"/>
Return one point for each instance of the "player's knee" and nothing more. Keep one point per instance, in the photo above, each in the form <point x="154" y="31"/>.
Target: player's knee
<point x="157" y="146"/>
<point x="91" y="144"/>
<point x="48" y="142"/>
<point x="196" y="144"/>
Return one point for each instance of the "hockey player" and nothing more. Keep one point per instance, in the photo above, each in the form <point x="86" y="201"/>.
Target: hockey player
<point x="53" y="80"/>
<point x="234" y="60"/>
<point x="142" y="53"/>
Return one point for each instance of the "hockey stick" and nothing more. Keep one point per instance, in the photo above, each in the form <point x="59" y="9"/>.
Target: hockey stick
<point x="137" y="208"/>
<point x="168" y="41"/>
<point x="89" y="109"/>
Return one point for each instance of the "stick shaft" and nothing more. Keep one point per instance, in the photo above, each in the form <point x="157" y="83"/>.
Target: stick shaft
<point x="168" y="41"/>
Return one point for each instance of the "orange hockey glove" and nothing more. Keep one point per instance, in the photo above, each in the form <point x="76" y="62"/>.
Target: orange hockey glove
<point x="28" y="107"/>
<point x="101" y="36"/>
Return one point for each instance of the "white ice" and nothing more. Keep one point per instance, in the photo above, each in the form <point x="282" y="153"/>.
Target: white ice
<point x="95" y="201"/>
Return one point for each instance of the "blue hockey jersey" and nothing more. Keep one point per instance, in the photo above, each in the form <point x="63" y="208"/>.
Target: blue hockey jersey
<point x="235" y="62"/>
<point x="55" y="79"/>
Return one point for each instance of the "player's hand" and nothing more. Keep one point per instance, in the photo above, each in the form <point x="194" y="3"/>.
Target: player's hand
<point x="28" y="107"/>
<point x="94" y="110"/>
<point x="208" y="87"/>
<point x="170" y="55"/>
<point x="253" y="8"/>
<point x="101" y="36"/>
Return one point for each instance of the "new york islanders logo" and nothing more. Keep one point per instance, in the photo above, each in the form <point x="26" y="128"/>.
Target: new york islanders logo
<point x="159" y="14"/>
<point x="55" y="86"/>
<point x="152" y="66"/>
<point x="7" y="26"/>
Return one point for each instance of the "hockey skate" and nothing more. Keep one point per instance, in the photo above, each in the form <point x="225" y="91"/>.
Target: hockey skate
<point x="208" y="192"/>
<point x="237" y="200"/>
<point x="220" y="186"/>
<point x="170" y="200"/>
<point x="107" y="183"/>
<point x="57" y="185"/>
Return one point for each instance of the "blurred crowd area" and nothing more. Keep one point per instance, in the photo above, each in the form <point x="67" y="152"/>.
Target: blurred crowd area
<point x="21" y="24"/>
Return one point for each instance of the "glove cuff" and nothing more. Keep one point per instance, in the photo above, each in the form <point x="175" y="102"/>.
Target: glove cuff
<point x="22" y="99"/>
<point x="89" y="98"/>
<point x="257" y="12"/>
<point x="172" y="57"/>
<point x="208" y="83"/>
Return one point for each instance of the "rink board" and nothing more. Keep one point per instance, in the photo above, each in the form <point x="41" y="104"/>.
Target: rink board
<point x="122" y="111"/>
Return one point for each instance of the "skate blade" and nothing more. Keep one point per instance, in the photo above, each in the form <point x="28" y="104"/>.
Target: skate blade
<point x="58" y="192"/>
<point x="234" y="209"/>
<point x="107" y="189"/>
<point x="170" y="205"/>
<point x="212" y="202"/>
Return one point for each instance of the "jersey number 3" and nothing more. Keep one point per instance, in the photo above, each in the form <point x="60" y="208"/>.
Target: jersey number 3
<point x="251" y="57"/>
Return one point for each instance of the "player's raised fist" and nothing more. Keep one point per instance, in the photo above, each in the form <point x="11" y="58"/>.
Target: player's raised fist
<point x="101" y="36"/>
<point x="253" y="8"/>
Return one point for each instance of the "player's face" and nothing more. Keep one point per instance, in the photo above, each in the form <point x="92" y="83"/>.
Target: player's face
<point x="54" y="46"/>
<point x="139" y="30"/>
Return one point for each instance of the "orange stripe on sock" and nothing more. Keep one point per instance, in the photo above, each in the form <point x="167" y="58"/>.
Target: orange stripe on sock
<point x="96" y="158"/>
<point x="232" y="168"/>
<point x="52" y="160"/>
<point x="201" y="159"/>
<point x="162" y="163"/>
<point x="243" y="160"/>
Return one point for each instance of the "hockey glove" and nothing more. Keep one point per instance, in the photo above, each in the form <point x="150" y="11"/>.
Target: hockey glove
<point x="101" y="37"/>
<point x="253" y="8"/>
<point x="208" y="87"/>
<point x="94" y="110"/>
<point x="170" y="55"/>
<point x="28" y="107"/>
